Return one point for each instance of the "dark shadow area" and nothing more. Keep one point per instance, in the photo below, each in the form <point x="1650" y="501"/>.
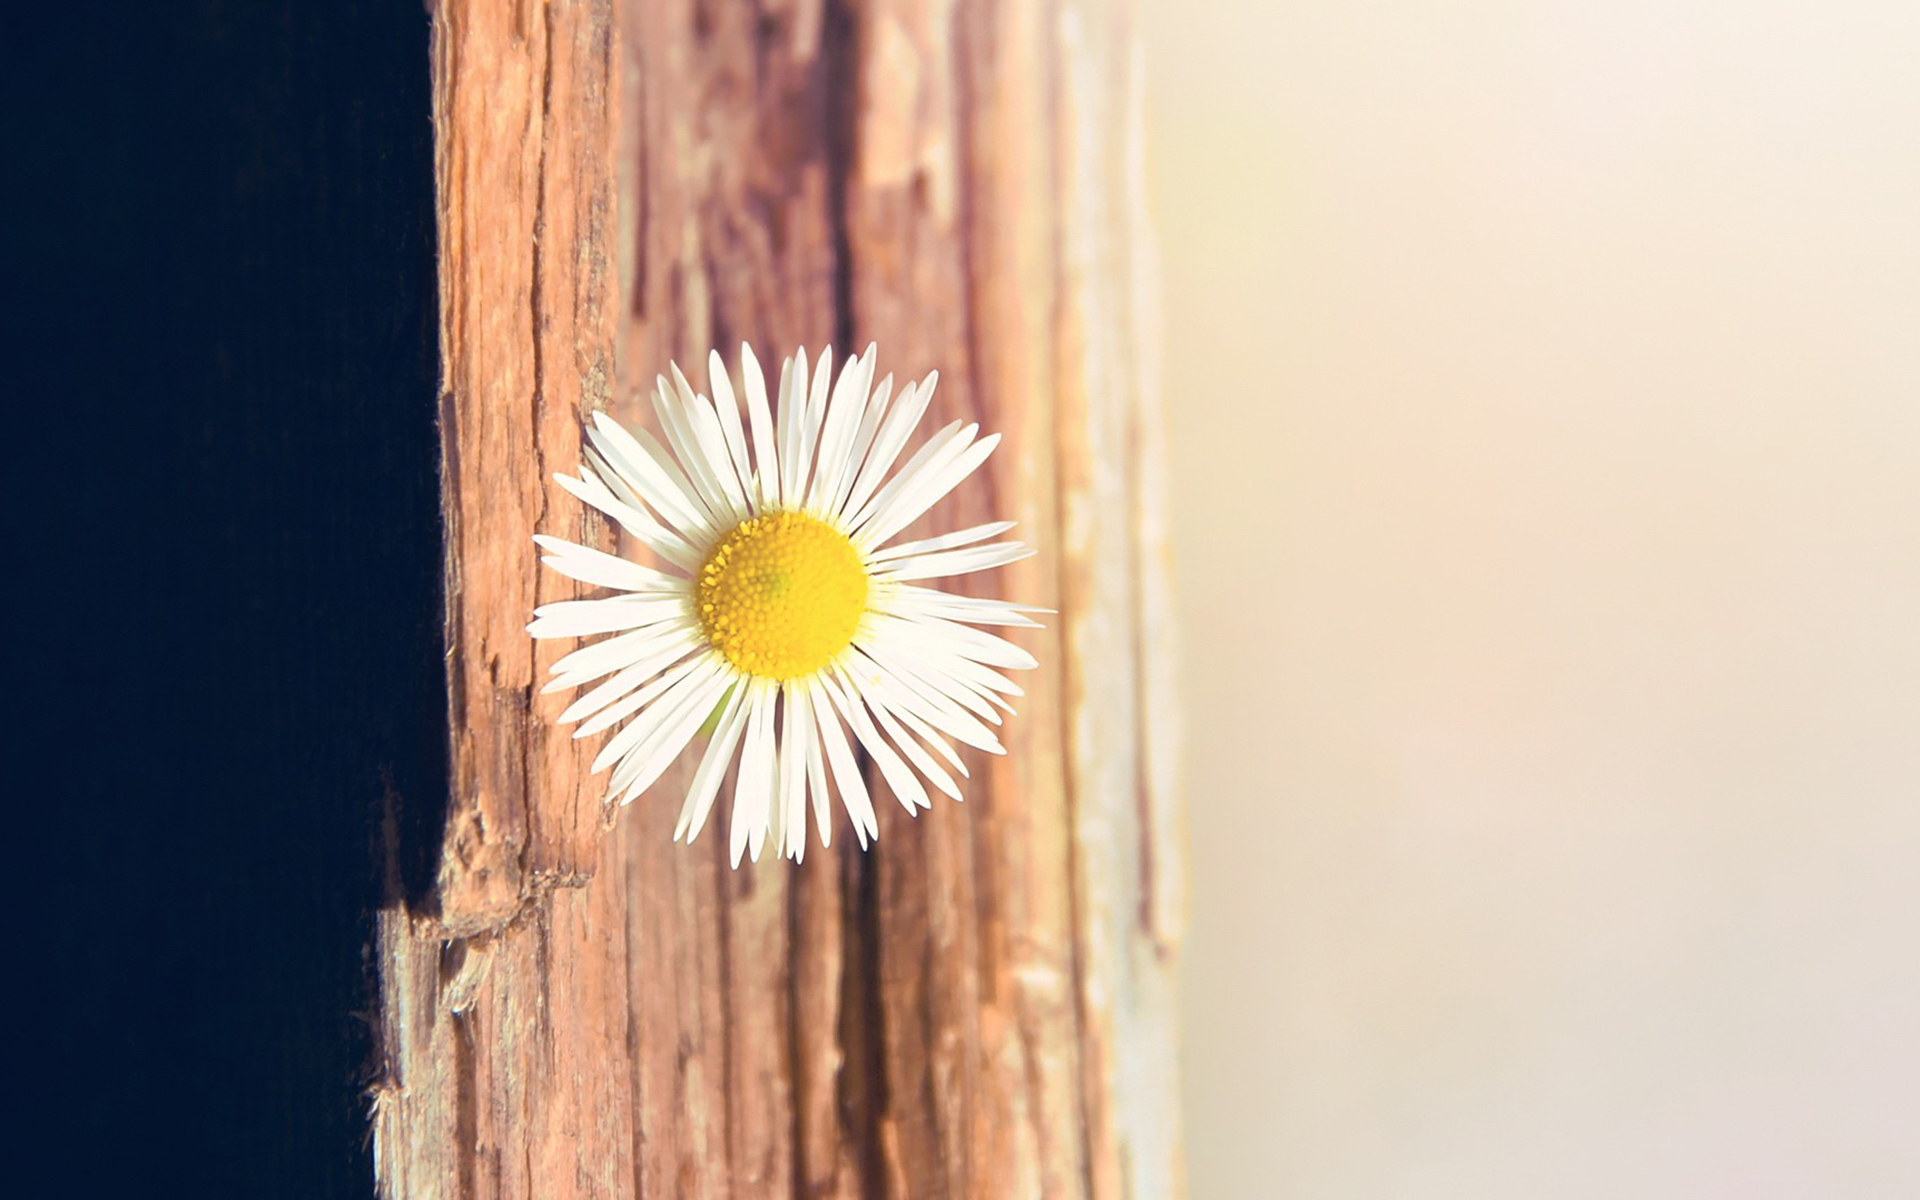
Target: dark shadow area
<point x="227" y="581"/>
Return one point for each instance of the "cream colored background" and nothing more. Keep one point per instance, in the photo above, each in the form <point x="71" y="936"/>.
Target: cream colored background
<point x="1545" y="394"/>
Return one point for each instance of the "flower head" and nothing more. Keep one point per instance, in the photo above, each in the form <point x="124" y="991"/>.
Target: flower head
<point x="777" y="615"/>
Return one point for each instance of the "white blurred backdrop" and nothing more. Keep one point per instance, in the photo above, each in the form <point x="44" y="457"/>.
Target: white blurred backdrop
<point x="1545" y="394"/>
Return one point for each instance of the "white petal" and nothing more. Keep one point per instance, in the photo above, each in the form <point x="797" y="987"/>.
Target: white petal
<point x="816" y="767"/>
<point x="951" y="711"/>
<point x="645" y="762"/>
<point x="945" y="541"/>
<point x="710" y="444"/>
<point x="730" y="427"/>
<point x="640" y="740"/>
<point x="817" y="394"/>
<point x="906" y="786"/>
<point x="661" y="701"/>
<point x="952" y="637"/>
<point x="891" y="439"/>
<point x="606" y="570"/>
<point x="977" y="688"/>
<point x="984" y="615"/>
<point x="846" y="772"/>
<point x="637" y="522"/>
<point x="611" y="478"/>
<point x="920" y="758"/>
<point x="964" y="561"/>
<point x="637" y="701"/>
<point x="713" y="766"/>
<point x="913" y="599"/>
<point x="766" y="458"/>
<point x="956" y="673"/>
<point x="876" y="410"/>
<point x="677" y="423"/>
<point x="939" y="450"/>
<point x="920" y="592"/>
<point x="844" y="409"/>
<point x="650" y="472"/>
<point x="657" y="658"/>
<point x="811" y="419"/>
<point x="948" y="679"/>
<point x="600" y="658"/>
<point x="791" y="415"/>
<point x="638" y="728"/>
<point x="930" y="737"/>
<point x="711" y="438"/>
<point x="692" y="499"/>
<point x="581" y="618"/>
<point x="792" y="769"/>
<point x="924" y="492"/>
<point x="753" y="789"/>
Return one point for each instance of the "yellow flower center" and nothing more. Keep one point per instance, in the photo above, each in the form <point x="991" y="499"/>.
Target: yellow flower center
<point x="781" y="595"/>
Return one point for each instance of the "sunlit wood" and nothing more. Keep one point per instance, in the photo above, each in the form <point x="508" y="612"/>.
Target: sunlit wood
<point x="981" y="1005"/>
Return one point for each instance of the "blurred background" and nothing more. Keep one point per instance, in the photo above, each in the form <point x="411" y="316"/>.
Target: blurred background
<point x="1544" y="383"/>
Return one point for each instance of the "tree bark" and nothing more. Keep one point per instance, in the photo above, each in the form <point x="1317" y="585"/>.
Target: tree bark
<point x="982" y="1004"/>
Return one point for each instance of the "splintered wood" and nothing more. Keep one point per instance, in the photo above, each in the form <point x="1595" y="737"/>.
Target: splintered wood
<point x="983" y="1004"/>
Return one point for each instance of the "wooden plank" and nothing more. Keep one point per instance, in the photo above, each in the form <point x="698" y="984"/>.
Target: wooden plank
<point x="982" y="1004"/>
<point x="524" y="159"/>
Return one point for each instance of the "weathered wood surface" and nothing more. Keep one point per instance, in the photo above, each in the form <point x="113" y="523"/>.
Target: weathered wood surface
<point x="982" y="1005"/>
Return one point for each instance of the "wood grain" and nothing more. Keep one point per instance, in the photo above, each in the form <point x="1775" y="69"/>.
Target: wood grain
<point x="523" y="157"/>
<point x="982" y="1005"/>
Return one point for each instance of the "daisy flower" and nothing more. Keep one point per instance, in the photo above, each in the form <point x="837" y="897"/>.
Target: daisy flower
<point x="776" y="613"/>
